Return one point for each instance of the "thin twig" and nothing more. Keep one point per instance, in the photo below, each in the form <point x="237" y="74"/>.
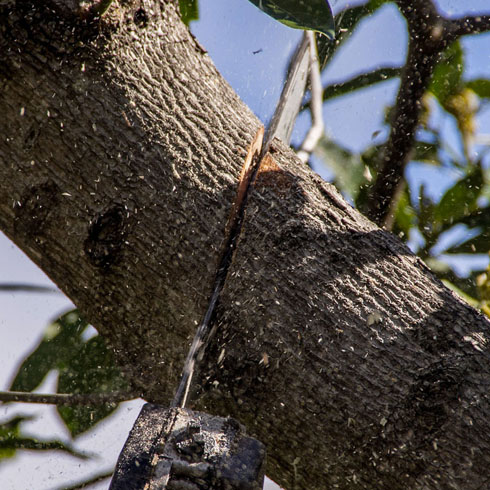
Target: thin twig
<point x="27" y="288"/>
<point x="317" y="127"/>
<point x="92" y="481"/>
<point x="470" y="25"/>
<point x="65" y="399"/>
<point x="430" y="35"/>
<point x="360" y="81"/>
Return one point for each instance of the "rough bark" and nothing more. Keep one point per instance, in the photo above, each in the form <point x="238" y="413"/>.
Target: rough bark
<point x="334" y="345"/>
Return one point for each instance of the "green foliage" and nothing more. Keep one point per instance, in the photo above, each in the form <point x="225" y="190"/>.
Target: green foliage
<point x="464" y="207"/>
<point x="345" y="23"/>
<point x="480" y="243"/>
<point x="405" y="215"/>
<point x="480" y="86"/>
<point x="314" y="15"/>
<point x="347" y="166"/>
<point x="102" y="7"/>
<point x="454" y="95"/>
<point x="89" y="370"/>
<point x="61" y="339"/>
<point x="9" y="433"/>
<point x="447" y="77"/>
<point x="189" y="10"/>
<point x="11" y="440"/>
<point x="84" y="367"/>
<point x="426" y="152"/>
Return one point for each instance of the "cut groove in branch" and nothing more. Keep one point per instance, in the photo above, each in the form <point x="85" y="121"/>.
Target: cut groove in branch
<point x="203" y="333"/>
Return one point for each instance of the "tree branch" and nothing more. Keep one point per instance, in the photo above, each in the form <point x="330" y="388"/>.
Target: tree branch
<point x="27" y="288"/>
<point x="29" y="444"/>
<point x="470" y="25"/>
<point x="317" y="126"/>
<point x="91" y="481"/>
<point x="63" y="399"/>
<point x="429" y="35"/>
<point x="360" y="81"/>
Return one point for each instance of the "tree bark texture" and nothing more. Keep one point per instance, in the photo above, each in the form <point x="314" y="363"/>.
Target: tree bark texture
<point x="120" y="158"/>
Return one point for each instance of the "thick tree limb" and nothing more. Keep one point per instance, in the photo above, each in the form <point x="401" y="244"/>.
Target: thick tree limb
<point x="121" y="153"/>
<point x="429" y="35"/>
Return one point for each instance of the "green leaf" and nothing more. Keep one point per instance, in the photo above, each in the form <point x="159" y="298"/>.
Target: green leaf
<point x="84" y="366"/>
<point x="314" y="15"/>
<point x="461" y="199"/>
<point x="347" y="166"/>
<point x="345" y="23"/>
<point x="447" y="76"/>
<point x="480" y="218"/>
<point x="426" y="152"/>
<point x="465" y="284"/>
<point x="102" y="7"/>
<point x="59" y="341"/>
<point x="90" y="370"/>
<point x="425" y="214"/>
<point x="348" y="19"/>
<point x="480" y="86"/>
<point x="189" y="10"/>
<point x="405" y="217"/>
<point x="10" y="430"/>
<point x="462" y="294"/>
<point x="479" y="244"/>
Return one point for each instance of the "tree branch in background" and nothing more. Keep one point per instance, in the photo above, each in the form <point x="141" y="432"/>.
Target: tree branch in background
<point x="360" y="81"/>
<point x="470" y="25"/>
<point x="29" y="444"/>
<point x="430" y="34"/>
<point x="65" y="399"/>
<point x="92" y="481"/>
